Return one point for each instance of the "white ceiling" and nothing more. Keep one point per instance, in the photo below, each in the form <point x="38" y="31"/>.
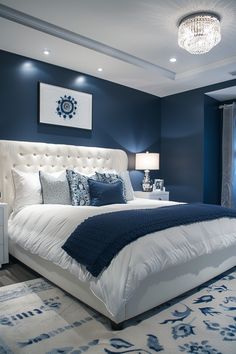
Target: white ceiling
<point x="132" y="40"/>
<point x="226" y="94"/>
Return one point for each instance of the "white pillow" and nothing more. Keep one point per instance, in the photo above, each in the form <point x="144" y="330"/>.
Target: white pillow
<point x="27" y="189"/>
<point x="128" y="186"/>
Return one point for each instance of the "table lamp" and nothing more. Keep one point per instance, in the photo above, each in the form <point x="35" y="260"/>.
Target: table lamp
<point x="147" y="161"/>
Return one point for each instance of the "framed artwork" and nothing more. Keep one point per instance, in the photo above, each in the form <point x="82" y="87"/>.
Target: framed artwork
<point x="158" y="185"/>
<point x="61" y="106"/>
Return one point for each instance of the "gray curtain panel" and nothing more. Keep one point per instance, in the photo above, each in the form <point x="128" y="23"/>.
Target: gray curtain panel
<point x="228" y="192"/>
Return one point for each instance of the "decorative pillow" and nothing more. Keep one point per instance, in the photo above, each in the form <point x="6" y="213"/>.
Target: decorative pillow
<point x="102" y="193"/>
<point x="27" y="189"/>
<point x="55" y="188"/>
<point x="79" y="188"/>
<point x="127" y="184"/>
<point x="109" y="177"/>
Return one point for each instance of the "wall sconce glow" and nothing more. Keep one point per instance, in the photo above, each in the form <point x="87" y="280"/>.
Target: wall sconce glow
<point x="100" y="69"/>
<point x="80" y="79"/>
<point x="173" y="60"/>
<point x="27" y="66"/>
<point x="46" y="51"/>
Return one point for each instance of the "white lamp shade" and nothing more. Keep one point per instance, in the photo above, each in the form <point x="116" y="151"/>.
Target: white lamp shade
<point x="147" y="161"/>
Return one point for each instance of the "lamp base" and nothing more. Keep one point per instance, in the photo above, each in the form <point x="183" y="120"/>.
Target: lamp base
<point x="147" y="183"/>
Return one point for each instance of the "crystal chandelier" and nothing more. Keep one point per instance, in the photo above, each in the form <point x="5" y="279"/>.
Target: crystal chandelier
<point x="199" y="32"/>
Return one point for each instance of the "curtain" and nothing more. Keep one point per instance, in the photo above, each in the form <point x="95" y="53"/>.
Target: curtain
<point x="228" y="192"/>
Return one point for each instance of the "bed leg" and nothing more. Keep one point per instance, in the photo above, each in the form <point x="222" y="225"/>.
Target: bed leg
<point x="117" y="326"/>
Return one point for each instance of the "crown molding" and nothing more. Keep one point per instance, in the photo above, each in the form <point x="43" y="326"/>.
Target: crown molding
<point x="62" y="33"/>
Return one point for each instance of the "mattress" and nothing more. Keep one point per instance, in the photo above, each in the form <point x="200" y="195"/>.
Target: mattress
<point x="42" y="229"/>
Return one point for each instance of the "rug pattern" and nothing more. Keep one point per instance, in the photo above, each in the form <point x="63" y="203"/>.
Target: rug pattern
<point x="36" y="317"/>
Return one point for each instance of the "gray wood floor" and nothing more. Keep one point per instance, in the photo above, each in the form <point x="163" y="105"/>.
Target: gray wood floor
<point x="15" y="272"/>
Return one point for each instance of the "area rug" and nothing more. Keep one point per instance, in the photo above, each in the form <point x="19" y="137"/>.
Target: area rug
<point x="36" y="317"/>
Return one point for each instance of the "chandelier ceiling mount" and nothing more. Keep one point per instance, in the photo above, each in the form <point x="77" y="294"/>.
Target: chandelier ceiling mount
<point x="199" y="32"/>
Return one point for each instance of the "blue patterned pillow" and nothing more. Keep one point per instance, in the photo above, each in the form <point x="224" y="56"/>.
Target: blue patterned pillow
<point x="103" y="193"/>
<point x="108" y="177"/>
<point x="79" y="188"/>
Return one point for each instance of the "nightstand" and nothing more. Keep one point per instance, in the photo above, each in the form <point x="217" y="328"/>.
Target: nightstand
<point x="4" y="257"/>
<point x="162" y="195"/>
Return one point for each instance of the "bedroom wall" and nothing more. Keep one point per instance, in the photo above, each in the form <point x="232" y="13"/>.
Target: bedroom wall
<point x="123" y="118"/>
<point x="191" y="145"/>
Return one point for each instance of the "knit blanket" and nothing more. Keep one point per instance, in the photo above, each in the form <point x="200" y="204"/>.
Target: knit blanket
<point x="96" y="241"/>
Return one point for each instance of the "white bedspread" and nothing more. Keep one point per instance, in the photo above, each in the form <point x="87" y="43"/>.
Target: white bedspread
<point x="42" y="229"/>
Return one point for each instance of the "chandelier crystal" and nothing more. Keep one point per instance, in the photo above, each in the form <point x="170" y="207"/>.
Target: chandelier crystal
<point x="199" y="33"/>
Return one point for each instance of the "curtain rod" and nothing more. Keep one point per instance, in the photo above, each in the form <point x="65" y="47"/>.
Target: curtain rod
<point x="226" y="105"/>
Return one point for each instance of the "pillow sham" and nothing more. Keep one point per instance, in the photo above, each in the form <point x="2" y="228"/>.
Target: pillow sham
<point x="27" y="189"/>
<point x="113" y="176"/>
<point x="128" y="186"/>
<point x="102" y="193"/>
<point x="79" y="188"/>
<point x="55" y="188"/>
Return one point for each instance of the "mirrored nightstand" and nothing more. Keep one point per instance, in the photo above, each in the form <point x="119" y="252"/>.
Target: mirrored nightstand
<point x="162" y="195"/>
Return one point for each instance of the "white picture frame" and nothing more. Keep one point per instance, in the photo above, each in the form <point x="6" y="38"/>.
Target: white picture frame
<point x="65" y="107"/>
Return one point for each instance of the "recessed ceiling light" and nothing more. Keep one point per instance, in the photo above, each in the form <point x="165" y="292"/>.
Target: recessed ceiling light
<point x="173" y="60"/>
<point x="100" y="69"/>
<point x="46" y="51"/>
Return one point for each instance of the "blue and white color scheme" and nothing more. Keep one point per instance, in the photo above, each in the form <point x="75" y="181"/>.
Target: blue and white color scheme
<point x="66" y="107"/>
<point x="61" y="106"/>
<point x="37" y="317"/>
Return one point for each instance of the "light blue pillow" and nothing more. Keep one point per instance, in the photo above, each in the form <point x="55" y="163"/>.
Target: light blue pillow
<point x="55" y="189"/>
<point x="79" y="188"/>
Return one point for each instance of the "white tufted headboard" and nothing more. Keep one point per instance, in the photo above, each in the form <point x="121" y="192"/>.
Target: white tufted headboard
<point x="29" y="157"/>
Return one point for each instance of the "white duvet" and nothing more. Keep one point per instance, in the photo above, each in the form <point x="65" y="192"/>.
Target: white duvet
<point x="42" y="229"/>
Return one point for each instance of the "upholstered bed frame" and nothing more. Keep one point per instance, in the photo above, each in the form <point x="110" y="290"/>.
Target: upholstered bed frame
<point x="29" y="156"/>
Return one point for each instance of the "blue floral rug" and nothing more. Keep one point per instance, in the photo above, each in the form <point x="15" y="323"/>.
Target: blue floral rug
<point x="38" y="318"/>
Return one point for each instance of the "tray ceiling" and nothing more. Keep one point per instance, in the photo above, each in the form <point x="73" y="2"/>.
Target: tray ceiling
<point x="132" y="40"/>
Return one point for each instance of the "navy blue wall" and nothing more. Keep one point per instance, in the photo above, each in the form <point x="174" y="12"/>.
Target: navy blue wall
<point x="182" y="145"/>
<point x="122" y="117"/>
<point x="191" y="145"/>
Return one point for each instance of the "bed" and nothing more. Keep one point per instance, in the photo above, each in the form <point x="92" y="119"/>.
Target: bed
<point x="146" y="291"/>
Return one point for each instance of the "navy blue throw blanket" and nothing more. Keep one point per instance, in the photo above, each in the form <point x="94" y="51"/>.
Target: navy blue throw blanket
<point x="98" y="239"/>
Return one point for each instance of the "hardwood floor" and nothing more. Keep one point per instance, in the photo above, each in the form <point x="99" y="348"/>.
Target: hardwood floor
<point x="15" y="272"/>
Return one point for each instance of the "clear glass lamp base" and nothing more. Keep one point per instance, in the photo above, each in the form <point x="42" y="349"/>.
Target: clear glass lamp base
<point x="147" y="183"/>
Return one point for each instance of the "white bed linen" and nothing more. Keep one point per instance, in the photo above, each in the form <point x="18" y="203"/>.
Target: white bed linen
<point x="43" y="229"/>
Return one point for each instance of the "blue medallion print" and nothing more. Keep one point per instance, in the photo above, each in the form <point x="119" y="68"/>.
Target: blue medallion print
<point x="204" y="298"/>
<point x="198" y="348"/>
<point x="208" y="311"/>
<point x="153" y="343"/>
<point x="182" y="330"/>
<point x="179" y="315"/>
<point x="66" y="107"/>
<point x="120" y="343"/>
<point x="125" y="347"/>
<point x="213" y="326"/>
<point x="229" y="333"/>
<point x="229" y="299"/>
